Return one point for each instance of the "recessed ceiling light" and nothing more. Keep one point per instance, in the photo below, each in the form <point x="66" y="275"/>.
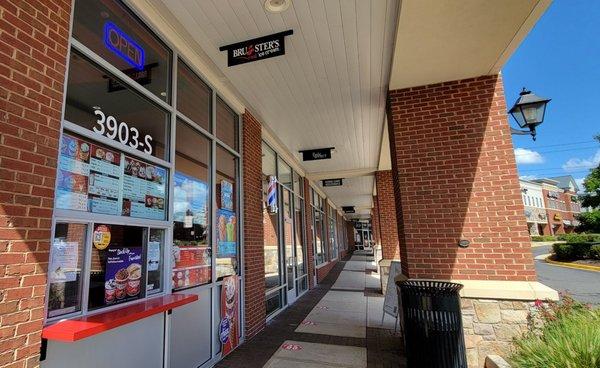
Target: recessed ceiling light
<point x="277" y="6"/>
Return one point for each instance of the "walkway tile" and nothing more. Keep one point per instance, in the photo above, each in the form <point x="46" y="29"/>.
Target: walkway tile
<point x="331" y="316"/>
<point x="342" y="305"/>
<point x="317" y="355"/>
<point x="332" y="329"/>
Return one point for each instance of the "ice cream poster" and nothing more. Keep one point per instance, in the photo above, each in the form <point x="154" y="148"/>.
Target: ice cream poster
<point x="226" y="234"/>
<point x="123" y="274"/>
<point x="229" y="326"/>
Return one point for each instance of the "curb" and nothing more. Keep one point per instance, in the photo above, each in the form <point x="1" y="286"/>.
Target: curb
<point x="571" y="265"/>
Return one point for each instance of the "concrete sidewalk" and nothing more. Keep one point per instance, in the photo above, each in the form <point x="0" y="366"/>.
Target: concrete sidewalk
<point x="336" y="324"/>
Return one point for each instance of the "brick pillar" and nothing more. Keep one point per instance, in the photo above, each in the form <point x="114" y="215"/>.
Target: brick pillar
<point x="310" y="252"/>
<point x="375" y="221"/>
<point x="350" y="232"/>
<point x="33" y="49"/>
<point x="254" y="253"/>
<point x="455" y="178"/>
<point x="386" y="207"/>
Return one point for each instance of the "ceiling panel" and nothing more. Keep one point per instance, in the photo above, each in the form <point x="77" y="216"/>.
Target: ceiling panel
<point x="327" y="91"/>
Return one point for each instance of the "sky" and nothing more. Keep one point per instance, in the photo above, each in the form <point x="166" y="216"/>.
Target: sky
<point x="560" y="59"/>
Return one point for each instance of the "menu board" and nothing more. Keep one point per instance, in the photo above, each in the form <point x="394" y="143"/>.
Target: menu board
<point x="95" y="179"/>
<point x="144" y="188"/>
<point x="226" y="234"/>
<point x="123" y="274"/>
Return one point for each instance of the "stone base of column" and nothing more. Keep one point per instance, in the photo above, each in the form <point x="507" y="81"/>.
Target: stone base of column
<point x="491" y="323"/>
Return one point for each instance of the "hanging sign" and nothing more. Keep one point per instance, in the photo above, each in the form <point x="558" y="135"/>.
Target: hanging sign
<point x="316" y="154"/>
<point x="256" y="49"/>
<point x="348" y="209"/>
<point x="332" y="182"/>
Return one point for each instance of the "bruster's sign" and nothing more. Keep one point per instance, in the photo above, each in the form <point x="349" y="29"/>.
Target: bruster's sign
<point x="256" y="49"/>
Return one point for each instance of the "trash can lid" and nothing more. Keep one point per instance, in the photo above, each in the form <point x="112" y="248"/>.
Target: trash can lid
<point x="429" y="285"/>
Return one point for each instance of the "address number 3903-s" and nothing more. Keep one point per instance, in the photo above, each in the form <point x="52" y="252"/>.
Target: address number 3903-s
<point x="108" y="126"/>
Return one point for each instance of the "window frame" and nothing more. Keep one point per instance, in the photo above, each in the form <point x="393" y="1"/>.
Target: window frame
<point x="88" y="218"/>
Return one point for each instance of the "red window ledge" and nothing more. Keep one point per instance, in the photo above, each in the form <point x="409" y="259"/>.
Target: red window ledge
<point x="80" y="328"/>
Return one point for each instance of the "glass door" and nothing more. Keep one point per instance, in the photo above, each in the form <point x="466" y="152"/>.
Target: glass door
<point x="288" y="244"/>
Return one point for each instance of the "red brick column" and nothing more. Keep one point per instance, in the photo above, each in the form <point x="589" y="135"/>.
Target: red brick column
<point x="350" y="232"/>
<point x="33" y="48"/>
<point x="375" y="221"/>
<point x="310" y="251"/>
<point x="455" y="179"/>
<point x="254" y="253"/>
<point x="386" y="207"/>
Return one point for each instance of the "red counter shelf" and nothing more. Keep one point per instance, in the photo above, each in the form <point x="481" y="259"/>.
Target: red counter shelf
<point x="80" y="328"/>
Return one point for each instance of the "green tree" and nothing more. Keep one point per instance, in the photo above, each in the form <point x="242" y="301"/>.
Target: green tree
<point x="590" y="221"/>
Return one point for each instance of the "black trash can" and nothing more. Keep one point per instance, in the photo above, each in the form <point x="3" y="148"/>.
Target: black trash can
<point x="433" y="332"/>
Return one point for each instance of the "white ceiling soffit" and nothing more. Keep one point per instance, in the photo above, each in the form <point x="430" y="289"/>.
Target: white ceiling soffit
<point x="328" y="90"/>
<point x="354" y="192"/>
<point x="443" y="40"/>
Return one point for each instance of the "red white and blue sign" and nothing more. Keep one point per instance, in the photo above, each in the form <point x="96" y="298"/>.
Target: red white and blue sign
<point x="272" y="194"/>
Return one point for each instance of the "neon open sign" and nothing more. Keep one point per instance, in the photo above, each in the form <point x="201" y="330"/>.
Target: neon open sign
<point x="122" y="45"/>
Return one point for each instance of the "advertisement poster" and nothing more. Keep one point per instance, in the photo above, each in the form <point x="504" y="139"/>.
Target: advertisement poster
<point x="63" y="261"/>
<point x="144" y="190"/>
<point x="192" y="266"/>
<point x="228" y="328"/>
<point x="226" y="195"/>
<point x="226" y="234"/>
<point x="190" y="197"/>
<point x="123" y="274"/>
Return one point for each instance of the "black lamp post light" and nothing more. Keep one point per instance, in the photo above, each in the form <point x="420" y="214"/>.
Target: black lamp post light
<point x="528" y="111"/>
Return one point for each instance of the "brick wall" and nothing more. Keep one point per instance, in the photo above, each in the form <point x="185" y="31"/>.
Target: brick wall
<point x="375" y="221"/>
<point x="254" y="255"/>
<point x="386" y="208"/>
<point x="323" y="271"/>
<point x="33" y="49"/>
<point x="455" y="178"/>
<point x="350" y="231"/>
<point x="310" y="251"/>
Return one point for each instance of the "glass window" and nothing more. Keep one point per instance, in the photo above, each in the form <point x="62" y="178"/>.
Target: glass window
<point x="299" y="231"/>
<point x="227" y="219"/>
<point x="288" y="237"/>
<point x="114" y="33"/>
<point x="154" y="260"/>
<point x="318" y="237"/>
<point x="227" y="124"/>
<point x="65" y="268"/>
<point x="298" y="185"/>
<point x="117" y="271"/>
<point x="192" y="264"/>
<point x="121" y="115"/>
<point x="273" y="302"/>
<point x="284" y="173"/>
<point x="270" y="225"/>
<point x="193" y="96"/>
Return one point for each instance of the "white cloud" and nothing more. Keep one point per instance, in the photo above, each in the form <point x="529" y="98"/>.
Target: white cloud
<point x="582" y="163"/>
<point x="527" y="157"/>
<point x="579" y="182"/>
<point x="528" y="177"/>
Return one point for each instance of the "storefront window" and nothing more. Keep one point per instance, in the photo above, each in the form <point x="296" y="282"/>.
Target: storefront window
<point x="299" y="238"/>
<point x="192" y="263"/>
<point x="154" y="260"/>
<point x="227" y="124"/>
<point x="270" y="222"/>
<point x="227" y="214"/>
<point x="284" y="173"/>
<point x="320" y="224"/>
<point x="121" y="115"/>
<point x="110" y="30"/>
<point x="332" y="231"/>
<point x="65" y="269"/>
<point x="193" y="96"/>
